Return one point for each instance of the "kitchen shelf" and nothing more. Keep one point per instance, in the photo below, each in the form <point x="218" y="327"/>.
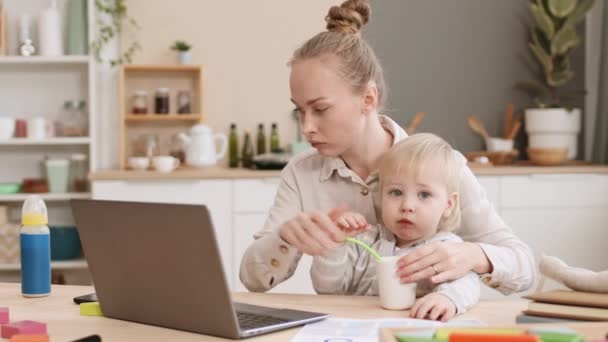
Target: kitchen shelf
<point x="162" y="67"/>
<point x="20" y="197"/>
<point x="50" y="141"/>
<point x="163" y="117"/>
<point x="134" y="128"/>
<point x="44" y="60"/>
<point x="75" y="264"/>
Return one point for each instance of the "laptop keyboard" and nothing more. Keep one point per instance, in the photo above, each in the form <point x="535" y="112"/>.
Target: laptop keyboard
<point x="252" y="321"/>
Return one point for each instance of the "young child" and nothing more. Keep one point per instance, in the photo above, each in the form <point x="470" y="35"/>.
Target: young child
<point x="419" y="189"/>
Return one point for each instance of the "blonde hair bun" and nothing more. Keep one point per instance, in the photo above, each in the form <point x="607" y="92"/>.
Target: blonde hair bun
<point x="348" y="17"/>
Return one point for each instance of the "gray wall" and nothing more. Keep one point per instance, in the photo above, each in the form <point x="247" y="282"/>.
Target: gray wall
<point x="452" y="59"/>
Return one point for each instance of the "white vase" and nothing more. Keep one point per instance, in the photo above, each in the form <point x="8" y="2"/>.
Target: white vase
<point x="184" y="57"/>
<point x="49" y="31"/>
<point x="554" y="127"/>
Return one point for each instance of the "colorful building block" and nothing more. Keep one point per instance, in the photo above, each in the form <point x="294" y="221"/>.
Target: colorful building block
<point x="4" y="316"/>
<point x="30" y="338"/>
<point x="90" y="309"/>
<point x="22" y="327"/>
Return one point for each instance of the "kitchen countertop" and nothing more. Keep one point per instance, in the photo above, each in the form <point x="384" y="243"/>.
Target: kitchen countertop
<point x="227" y="173"/>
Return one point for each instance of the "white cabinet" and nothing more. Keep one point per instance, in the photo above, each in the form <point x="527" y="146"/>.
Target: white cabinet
<point x="215" y="194"/>
<point x="491" y="186"/>
<point x="562" y="215"/>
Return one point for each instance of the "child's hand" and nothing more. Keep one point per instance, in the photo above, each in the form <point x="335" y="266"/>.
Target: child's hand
<point x="434" y="306"/>
<point x="352" y="223"/>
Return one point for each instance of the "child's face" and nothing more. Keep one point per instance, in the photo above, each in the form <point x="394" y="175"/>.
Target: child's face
<point x="413" y="204"/>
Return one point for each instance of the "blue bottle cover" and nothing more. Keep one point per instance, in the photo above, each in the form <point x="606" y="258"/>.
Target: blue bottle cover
<point x="35" y="264"/>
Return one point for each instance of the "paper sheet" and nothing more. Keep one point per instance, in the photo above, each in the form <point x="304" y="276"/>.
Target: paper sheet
<point x="336" y="329"/>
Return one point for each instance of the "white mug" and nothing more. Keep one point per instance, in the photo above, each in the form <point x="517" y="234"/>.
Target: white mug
<point x="7" y="128"/>
<point x="36" y="128"/>
<point x="393" y="294"/>
<point x="165" y="164"/>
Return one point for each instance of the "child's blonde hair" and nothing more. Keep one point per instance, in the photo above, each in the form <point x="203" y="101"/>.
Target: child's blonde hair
<point x="413" y="153"/>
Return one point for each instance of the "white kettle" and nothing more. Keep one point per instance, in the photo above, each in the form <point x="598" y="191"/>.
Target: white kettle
<point x="200" y="146"/>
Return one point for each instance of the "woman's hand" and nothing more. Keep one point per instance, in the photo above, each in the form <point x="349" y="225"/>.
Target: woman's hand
<point x="314" y="233"/>
<point x="434" y="306"/>
<point x="442" y="261"/>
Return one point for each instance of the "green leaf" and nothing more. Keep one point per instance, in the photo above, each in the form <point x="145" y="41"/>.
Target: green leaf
<point x="539" y="39"/>
<point x="543" y="20"/>
<point x="579" y="12"/>
<point x="561" y="8"/>
<point x="532" y="88"/>
<point x="565" y="39"/>
<point x="544" y="59"/>
<point x="556" y="79"/>
<point x="561" y="63"/>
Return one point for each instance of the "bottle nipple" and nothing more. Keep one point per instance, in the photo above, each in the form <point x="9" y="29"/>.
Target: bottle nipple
<point x="34" y="212"/>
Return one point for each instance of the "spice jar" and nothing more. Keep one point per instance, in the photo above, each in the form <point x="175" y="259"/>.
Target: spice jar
<point x="140" y="102"/>
<point x="78" y="172"/>
<point x="73" y="119"/>
<point x="183" y="102"/>
<point x="161" y="101"/>
<point x="177" y="149"/>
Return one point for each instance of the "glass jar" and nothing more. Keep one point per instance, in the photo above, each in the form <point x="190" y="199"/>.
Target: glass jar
<point x="146" y="145"/>
<point x="161" y="101"/>
<point x="183" y="102"/>
<point x="140" y="102"/>
<point x="78" y="172"/>
<point x="73" y="120"/>
<point x="177" y="149"/>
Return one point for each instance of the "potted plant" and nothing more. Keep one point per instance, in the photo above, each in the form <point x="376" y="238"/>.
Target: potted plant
<point x="112" y="21"/>
<point x="184" y="55"/>
<point x="554" y="123"/>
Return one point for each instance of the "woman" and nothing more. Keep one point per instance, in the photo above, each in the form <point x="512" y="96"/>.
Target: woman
<point x="338" y="87"/>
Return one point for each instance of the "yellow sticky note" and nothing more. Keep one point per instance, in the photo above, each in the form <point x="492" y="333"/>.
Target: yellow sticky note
<point x="90" y="309"/>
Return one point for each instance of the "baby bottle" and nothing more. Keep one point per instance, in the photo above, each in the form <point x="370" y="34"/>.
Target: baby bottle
<point x="35" y="249"/>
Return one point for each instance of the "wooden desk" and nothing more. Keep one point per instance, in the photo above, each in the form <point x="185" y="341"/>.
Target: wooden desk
<point x="64" y="322"/>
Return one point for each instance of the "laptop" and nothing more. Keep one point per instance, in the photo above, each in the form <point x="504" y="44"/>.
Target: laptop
<point x="160" y="264"/>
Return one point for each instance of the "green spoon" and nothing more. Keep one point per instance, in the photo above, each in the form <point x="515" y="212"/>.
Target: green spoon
<point x="366" y="247"/>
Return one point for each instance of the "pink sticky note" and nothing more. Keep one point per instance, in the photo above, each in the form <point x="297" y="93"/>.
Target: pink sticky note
<point x="23" y="327"/>
<point x="4" y="317"/>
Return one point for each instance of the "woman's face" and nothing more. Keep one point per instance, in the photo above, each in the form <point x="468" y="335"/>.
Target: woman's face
<point x="331" y="114"/>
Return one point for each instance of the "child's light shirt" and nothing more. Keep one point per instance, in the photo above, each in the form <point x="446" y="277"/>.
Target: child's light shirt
<point x="351" y="270"/>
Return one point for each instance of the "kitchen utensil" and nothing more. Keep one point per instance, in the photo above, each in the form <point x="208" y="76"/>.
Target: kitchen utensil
<point x="477" y="127"/>
<point x="411" y="129"/>
<point x="514" y="130"/>
<point x="34" y="185"/>
<point x="201" y="148"/>
<point x="508" y="121"/>
<point x="366" y="247"/>
<point x="7" y="128"/>
<point x="495" y="157"/>
<point x="393" y="294"/>
<point x="10" y="188"/>
<point x="65" y="243"/>
<point x="499" y="144"/>
<point x="139" y="163"/>
<point x="165" y="164"/>
<point x="548" y="156"/>
<point x="58" y="174"/>
<point x="271" y="161"/>
<point x="36" y="128"/>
